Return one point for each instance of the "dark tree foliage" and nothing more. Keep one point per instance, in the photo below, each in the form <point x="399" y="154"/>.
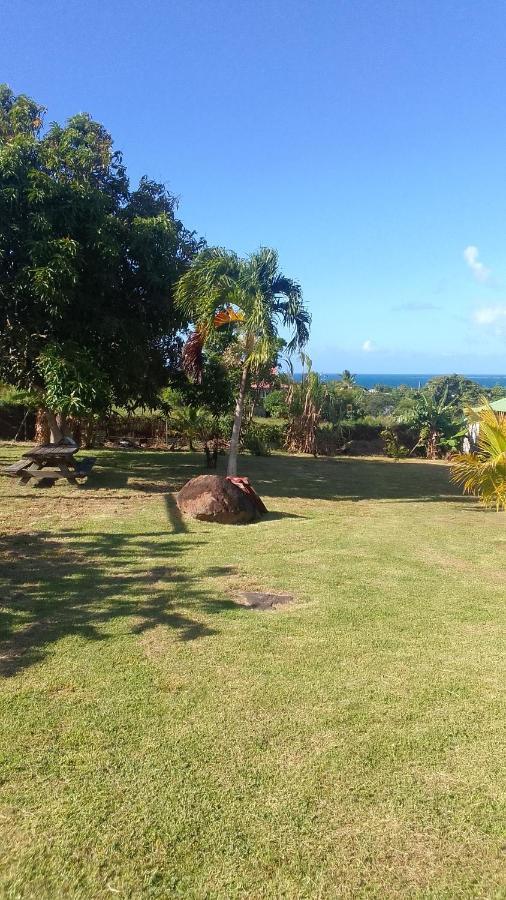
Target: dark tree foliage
<point x="87" y="267"/>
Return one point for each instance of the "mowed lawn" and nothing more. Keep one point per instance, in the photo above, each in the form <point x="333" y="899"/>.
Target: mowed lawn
<point x="158" y="740"/>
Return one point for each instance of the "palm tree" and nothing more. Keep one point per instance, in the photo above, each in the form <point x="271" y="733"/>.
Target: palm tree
<point x="484" y="473"/>
<point x="348" y="379"/>
<point x="255" y="298"/>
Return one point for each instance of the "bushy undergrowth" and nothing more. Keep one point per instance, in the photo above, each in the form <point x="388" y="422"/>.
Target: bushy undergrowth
<point x="261" y="438"/>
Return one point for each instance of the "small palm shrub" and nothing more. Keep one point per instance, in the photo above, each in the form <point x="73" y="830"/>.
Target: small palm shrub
<point x="193" y="423"/>
<point x="483" y="473"/>
<point x="393" y="446"/>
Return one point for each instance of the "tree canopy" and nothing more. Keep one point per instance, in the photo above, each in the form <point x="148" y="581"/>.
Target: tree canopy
<point x="88" y="266"/>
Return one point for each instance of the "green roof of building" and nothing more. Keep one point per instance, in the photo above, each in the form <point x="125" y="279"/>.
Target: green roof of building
<point x="499" y="405"/>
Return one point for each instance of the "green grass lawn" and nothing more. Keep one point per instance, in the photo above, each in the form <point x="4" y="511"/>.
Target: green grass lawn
<point x="158" y="740"/>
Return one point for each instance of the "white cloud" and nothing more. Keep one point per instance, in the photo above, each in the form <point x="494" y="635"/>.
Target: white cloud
<point x="490" y="315"/>
<point x="368" y="346"/>
<point x="480" y="272"/>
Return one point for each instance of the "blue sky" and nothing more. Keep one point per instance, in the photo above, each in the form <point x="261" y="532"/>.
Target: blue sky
<point x="366" y="140"/>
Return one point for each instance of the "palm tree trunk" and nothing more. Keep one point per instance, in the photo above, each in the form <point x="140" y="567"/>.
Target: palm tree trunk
<point x="236" y="430"/>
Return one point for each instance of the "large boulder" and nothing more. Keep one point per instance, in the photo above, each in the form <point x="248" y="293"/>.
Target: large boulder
<point x="214" y="498"/>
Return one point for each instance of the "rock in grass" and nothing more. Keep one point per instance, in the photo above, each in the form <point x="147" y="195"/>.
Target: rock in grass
<point x="213" y="498"/>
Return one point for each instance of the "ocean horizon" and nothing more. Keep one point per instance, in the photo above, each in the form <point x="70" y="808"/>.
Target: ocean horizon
<point x="369" y="381"/>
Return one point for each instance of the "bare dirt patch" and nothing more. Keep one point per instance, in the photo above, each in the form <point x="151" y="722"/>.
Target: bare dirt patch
<point x="261" y="600"/>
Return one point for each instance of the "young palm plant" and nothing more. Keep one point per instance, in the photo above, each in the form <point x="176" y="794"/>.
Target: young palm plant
<point x="192" y="423"/>
<point x="484" y="473"/>
<point x="255" y="298"/>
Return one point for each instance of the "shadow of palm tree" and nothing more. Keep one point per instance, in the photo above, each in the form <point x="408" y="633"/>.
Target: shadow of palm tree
<point x="77" y="584"/>
<point x="174" y="515"/>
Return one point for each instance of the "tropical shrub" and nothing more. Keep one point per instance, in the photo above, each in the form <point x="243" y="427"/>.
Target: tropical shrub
<point x="193" y="423"/>
<point x="11" y="397"/>
<point x="392" y="444"/>
<point x="306" y="401"/>
<point x="483" y="473"/>
<point x="275" y="404"/>
<point x="255" y="441"/>
<point x="274" y="435"/>
<point x="436" y="419"/>
<point x="365" y="429"/>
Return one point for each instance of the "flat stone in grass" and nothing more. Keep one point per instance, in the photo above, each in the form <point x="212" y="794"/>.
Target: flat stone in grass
<point x="260" y="600"/>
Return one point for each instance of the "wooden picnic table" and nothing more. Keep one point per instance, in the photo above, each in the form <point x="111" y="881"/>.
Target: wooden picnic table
<point x="49" y="462"/>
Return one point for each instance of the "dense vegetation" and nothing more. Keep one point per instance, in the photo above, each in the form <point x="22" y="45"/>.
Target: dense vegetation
<point x="398" y="422"/>
<point x="88" y="266"/>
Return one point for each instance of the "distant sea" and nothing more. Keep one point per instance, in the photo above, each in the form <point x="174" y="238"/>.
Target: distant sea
<point x="413" y="381"/>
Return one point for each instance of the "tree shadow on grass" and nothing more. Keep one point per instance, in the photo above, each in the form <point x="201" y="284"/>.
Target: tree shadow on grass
<point x="73" y="583"/>
<point x="144" y="471"/>
<point x="344" y="478"/>
<point x="274" y="516"/>
<point x="174" y="515"/>
<point x="325" y="478"/>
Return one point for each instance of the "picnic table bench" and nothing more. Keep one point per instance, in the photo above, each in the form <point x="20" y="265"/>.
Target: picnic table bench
<point x="47" y="463"/>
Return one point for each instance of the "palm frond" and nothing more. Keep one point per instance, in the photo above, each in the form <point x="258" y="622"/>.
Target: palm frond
<point x="227" y="316"/>
<point x="219" y="288"/>
<point x="483" y="473"/>
<point x="192" y="356"/>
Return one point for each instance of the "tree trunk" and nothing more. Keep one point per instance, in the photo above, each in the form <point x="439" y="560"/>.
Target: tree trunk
<point x="56" y="433"/>
<point x="88" y="432"/>
<point x="432" y="444"/>
<point x="236" y="430"/>
<point x="42" y="435"/>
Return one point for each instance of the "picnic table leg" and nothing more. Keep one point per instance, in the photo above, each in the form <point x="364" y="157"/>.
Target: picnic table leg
<point x="25" y="477"/>
<point x="67" y="473"/>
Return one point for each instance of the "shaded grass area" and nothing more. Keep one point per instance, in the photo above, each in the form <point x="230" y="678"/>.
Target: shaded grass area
<point x="158" y="740"/>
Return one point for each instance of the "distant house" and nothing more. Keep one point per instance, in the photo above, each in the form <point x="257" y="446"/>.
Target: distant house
<point x="262" y="388"/>
<point x="470" y="442"/>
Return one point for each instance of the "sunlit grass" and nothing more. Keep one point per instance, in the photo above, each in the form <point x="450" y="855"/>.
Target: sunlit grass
<point x="157" y="740"/>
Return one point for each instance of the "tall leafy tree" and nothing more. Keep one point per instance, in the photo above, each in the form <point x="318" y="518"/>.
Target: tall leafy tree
<point x="87" y="267"/>
<point x="221" y="289"/>
<point x="456" y="388"/>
